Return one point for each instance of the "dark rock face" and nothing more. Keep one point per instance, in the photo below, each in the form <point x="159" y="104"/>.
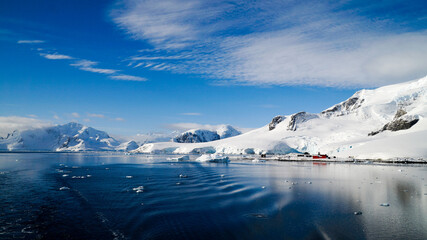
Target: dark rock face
<point x="399" y="113"/>
<point x="350" y="104"/>
<point x="276" y="120"/>
<point x="397" y="124"/>
<point x="297" y="117"/>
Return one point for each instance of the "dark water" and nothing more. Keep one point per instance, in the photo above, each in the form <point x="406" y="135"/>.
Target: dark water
<point x="239" y="200"/>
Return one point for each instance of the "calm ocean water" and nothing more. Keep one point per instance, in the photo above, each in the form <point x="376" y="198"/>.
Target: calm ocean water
<point x="115" y="196"/>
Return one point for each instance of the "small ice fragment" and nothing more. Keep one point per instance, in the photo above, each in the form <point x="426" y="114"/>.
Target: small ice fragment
<point x="75" y="167"/>
<point x="358" y="213"/>
<point x="107" y="168"/>
<point x="256" y="160"/>
<point x="88" y="175"/>
<point x="222" y="175"/>
<point x="129" y="176"/>
<point x="65" y="175"/>
<point x="263" y="187"/>
<point x="178" y="183"/>
<point x="139" y="189"/>
<point x="400" y="170"/>
<point x="61" y="164"/>
<point x="384" y="204"/>
<point x="309" y="182"/>
<point x="182" y="176"/>
<point x="182" y="158"/>
<point x="63" y="188"/>
<point x="294" y="183"/>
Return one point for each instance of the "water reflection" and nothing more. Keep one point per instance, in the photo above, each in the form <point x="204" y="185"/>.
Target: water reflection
<point x="240" y="200"/>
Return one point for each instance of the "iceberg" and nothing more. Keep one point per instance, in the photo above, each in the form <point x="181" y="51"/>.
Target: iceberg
<point x="213" y="158"/>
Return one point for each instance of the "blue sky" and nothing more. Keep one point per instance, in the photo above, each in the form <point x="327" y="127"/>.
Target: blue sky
<point x="132" y="66"/>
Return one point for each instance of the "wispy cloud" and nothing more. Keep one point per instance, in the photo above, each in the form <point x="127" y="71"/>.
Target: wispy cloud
<point x="55" y="56"/>
<point x="191" y="114"/>
<point x="119" y="119"/>
<point x="76" y="115"/>
<point x="337" y="44"/>
<point x="30" y="41"/>
<point x="125" y="77"/>
<point x="87" y="65"/>
<point x="10" y="123"/>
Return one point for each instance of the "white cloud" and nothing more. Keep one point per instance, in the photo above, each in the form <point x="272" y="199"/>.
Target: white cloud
<point x="125" y="77"/>
<point x="119" y="119"/>
<point x="76" y="115"/>
<point x="87" y="65"/>
<point x="55" y="56"/>
<point x="96" y="115"/>
<point x="276" y="42"/>
<point x="10" y="123"/>
<point x="32" y="115"/>
<point x="166" y="23"/>
<point x="30" y="41"/>
<point x="56" y="117"/>
<point x="191" y="114"/>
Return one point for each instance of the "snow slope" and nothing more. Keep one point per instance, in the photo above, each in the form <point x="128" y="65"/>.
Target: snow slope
<point x="382" y="123"/>
<point x="206" y="135"/>
<point x="67" y="137"/>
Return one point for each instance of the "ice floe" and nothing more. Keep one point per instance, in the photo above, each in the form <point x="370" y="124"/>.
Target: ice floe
<point x="213" y="158"/>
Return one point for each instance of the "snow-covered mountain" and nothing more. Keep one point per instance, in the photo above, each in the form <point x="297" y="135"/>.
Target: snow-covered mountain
<point x="67" y="137"/>
<point x="382" y="123"/>
<point x="206" y="135"/>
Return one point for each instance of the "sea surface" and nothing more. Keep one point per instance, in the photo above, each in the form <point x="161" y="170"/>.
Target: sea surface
<point x="117" y="196"/>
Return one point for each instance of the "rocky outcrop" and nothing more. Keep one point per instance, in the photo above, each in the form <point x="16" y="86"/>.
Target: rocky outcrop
<point x="400" y="122"/>
<point x="298" y="118"/>
<point x="276" y="120"/>
<point x="344" y="107"/>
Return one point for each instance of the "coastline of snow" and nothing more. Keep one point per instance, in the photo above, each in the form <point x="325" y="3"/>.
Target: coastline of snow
<point x="341" y="130"/>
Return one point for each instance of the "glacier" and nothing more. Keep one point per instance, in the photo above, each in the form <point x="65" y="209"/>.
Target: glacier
<point x="381" y="123"/>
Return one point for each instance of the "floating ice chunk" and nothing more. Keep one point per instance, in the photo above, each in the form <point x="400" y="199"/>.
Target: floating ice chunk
<point x="256" y="160"/>
<point x="178" y="183"/>
<point x="384" y="204"/>
<point x="263" y="187"/>
<point x="182" y="176"/>
<point x="78" y="177"/>
<point x="400" y="170"/>
<point x="88" y="175"/>
<point x="139" y="189"/>
<point x="222" y="175"/>
<point x="65" y="175"/>
<point x="63" y="188"/>
<point x="182" y="158"/>
<point x="213" y="158"/>
<point x="129" y="177"/>
<point x="358" y="213"/>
